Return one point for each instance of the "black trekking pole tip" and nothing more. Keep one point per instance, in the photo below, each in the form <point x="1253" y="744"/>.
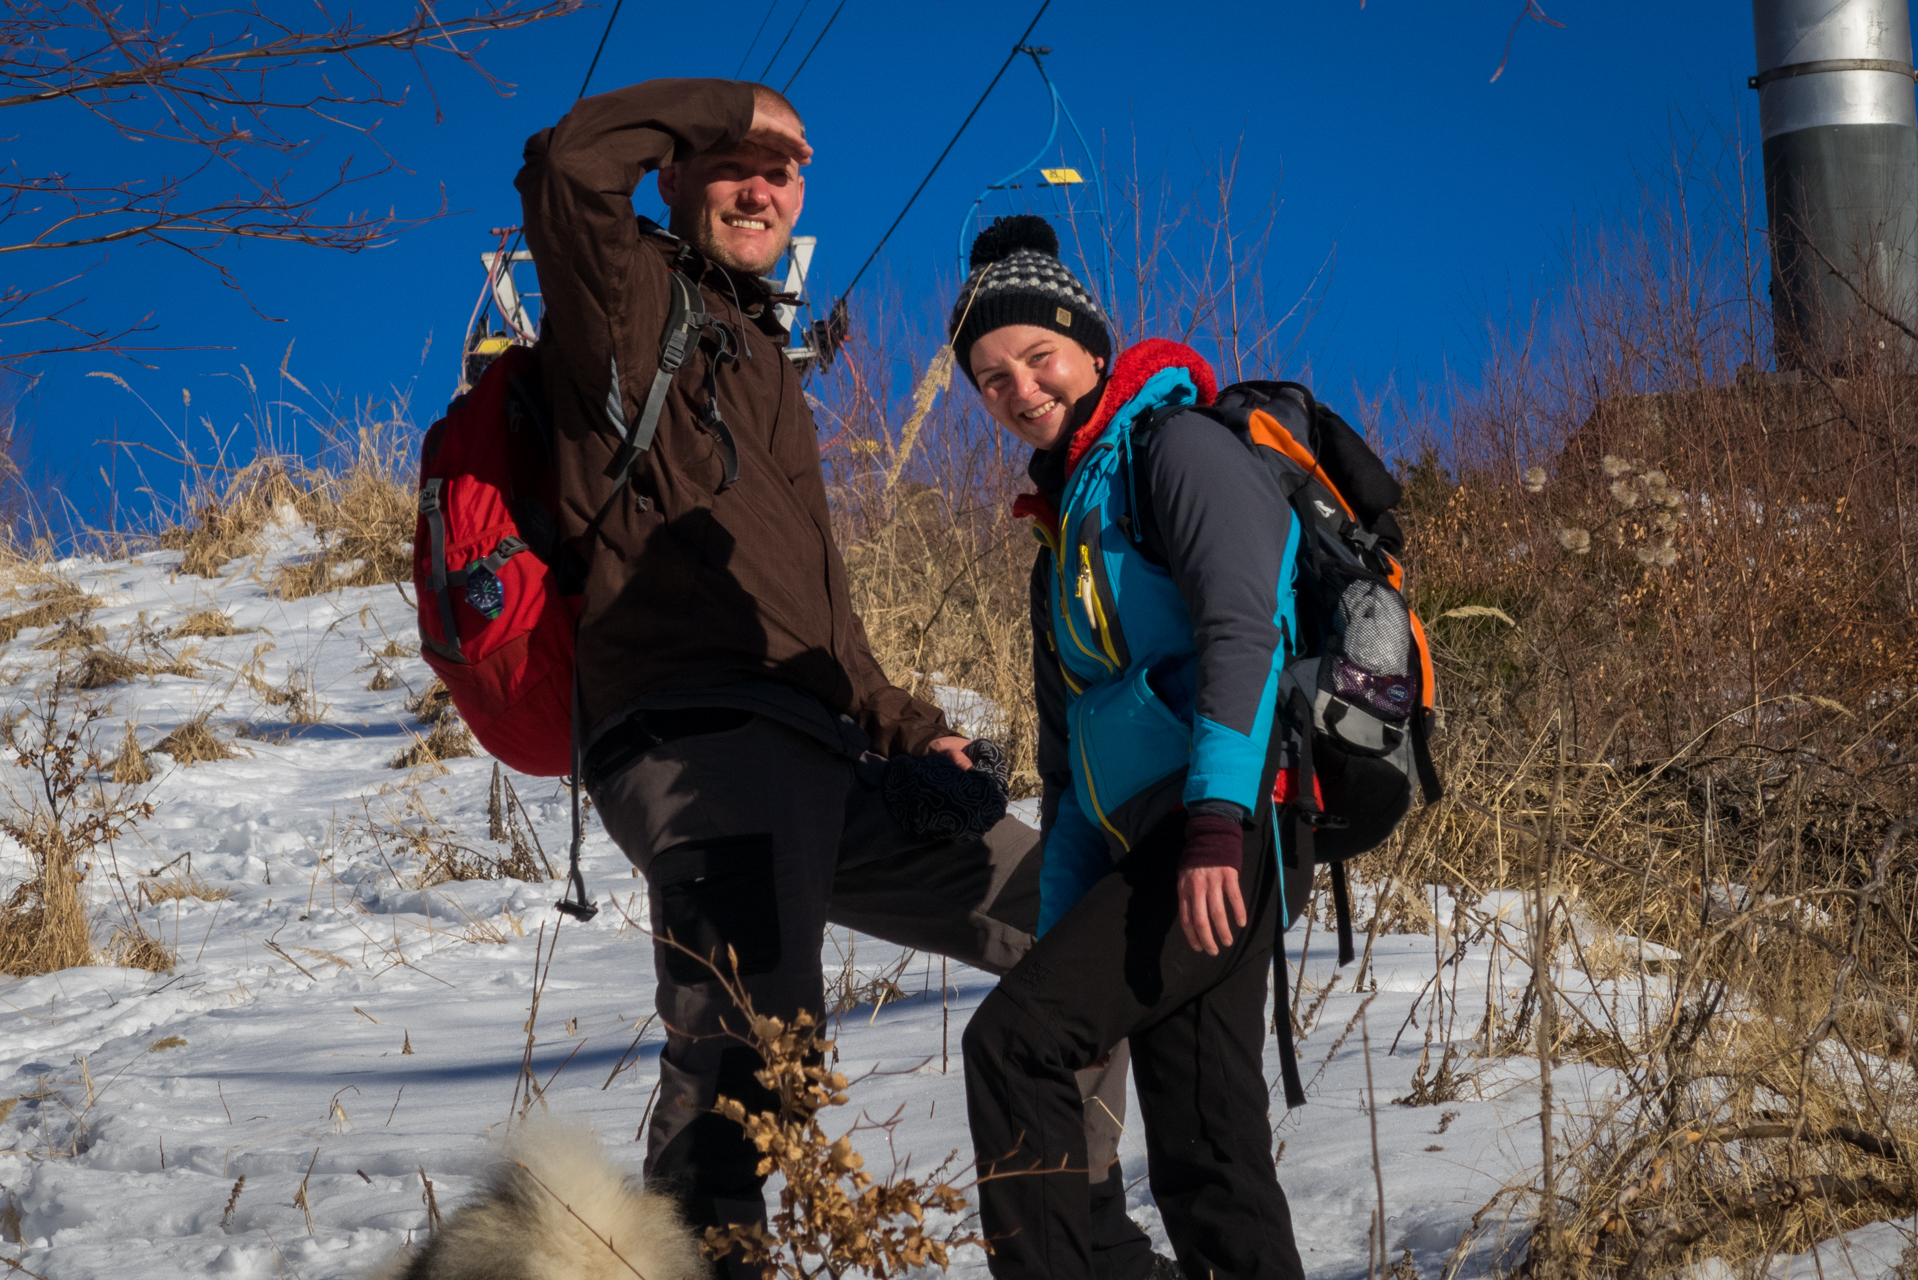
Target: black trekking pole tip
<point x="581" y="911"/>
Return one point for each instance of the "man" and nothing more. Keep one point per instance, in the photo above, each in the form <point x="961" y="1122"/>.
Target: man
<point x="733" y="719"/>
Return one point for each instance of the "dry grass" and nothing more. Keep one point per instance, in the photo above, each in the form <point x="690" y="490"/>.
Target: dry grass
<point x="364" y="514"/>
<point x="231" y="523"/>
<point x="132" y="947"/>
<point x="1674" y="631"/>
<point x="207" y="624"/>
<point x="195" y="742"/>
<point x="73" y="635"/>
<point x="99" y="668"/>
<point x="152" y="891"/>
<point x="448" y="740"/>
<point x="433" y="703"/>
<point x="60" y="601"/>
<point x="294" y="694"/>
<point x="130" y="767"/>
<point x="43" y="923"/>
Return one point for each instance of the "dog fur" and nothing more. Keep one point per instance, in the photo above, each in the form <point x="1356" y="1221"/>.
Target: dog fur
<point x="519" y="1229"/>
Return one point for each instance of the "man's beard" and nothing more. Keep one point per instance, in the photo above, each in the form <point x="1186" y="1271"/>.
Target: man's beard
<point x="697" y="227"/>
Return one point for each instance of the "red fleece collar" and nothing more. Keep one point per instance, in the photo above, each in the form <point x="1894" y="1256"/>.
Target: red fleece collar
<point x="1130" y="372"/>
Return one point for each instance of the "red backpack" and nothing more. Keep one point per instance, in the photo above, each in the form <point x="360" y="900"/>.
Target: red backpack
<point x="499" y="593"/>
<point x="495" y="622"/>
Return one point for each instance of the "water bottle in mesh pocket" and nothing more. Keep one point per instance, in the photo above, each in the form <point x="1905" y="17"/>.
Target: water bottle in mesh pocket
<point x="1371" y="659"/>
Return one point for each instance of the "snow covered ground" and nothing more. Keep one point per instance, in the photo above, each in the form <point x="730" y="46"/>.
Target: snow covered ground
<point x="336" y="1035"/>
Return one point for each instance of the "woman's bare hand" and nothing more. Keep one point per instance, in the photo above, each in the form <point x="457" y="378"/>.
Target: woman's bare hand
<point x="1205" y="894"/>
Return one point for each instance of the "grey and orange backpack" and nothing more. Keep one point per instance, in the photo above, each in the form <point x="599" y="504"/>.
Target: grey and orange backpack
<point x="1355" y="700"/>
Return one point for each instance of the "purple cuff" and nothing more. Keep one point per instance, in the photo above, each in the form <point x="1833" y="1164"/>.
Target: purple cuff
<point x="1212" y="841"/>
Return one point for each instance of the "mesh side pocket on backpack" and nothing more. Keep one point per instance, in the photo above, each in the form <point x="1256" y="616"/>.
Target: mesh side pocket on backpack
<point x="1371" y="651"/>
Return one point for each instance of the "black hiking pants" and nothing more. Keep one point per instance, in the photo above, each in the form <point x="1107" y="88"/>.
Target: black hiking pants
<point x="1117" y="965"/>
<point x="754" y="837"/>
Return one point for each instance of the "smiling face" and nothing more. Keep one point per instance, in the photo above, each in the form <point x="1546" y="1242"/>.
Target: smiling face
<point x="1030" y="378"/>
<point x="737" y="207"/>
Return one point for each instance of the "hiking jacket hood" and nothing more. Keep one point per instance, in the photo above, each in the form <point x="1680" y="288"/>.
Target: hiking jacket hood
<point x="690" y="588"/>
<point x="1161" y="610"/>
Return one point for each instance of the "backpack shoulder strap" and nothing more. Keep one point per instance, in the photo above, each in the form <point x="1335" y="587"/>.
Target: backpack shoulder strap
<point x="1136" y="482"/>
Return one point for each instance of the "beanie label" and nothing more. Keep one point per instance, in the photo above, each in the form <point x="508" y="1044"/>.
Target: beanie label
<point x="1063" y="316"/>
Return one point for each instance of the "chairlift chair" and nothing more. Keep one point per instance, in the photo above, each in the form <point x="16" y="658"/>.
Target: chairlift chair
<point x="506" y="316"/>
<point x="1047" y="173"/>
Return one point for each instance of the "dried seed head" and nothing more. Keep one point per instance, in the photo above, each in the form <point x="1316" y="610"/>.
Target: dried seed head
<point x="1613" y="465"/>
<point x="1667" y="556"/>
<point x="1665" y="521"/>
<point x="1655" y="481"/>
<point x="1534" y="479"/>
<point x="1625" y="493"/>
<point x="1576" y="541"/>
<point x="1670" y="497"/>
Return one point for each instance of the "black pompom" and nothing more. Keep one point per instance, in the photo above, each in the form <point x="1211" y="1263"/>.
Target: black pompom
<point x="1007" y="236"/>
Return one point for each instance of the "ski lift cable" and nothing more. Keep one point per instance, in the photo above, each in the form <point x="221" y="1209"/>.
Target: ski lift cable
<point x="1016" y="47"/>
<point x="610" y="20"/>
<point x="768" y="68"/>
<point x="755" y="44"/>
<point x="815" y="45"/>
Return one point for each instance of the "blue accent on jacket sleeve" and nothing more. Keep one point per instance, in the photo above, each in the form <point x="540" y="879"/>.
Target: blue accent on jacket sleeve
<point x="1231" y="542"/>
<point x="1075" y="860"/>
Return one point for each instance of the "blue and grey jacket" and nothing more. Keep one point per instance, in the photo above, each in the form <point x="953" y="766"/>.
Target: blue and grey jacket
<point x="1162" y="607"/>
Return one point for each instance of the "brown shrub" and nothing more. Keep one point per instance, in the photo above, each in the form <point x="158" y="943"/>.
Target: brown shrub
<point x="64" y="822"/>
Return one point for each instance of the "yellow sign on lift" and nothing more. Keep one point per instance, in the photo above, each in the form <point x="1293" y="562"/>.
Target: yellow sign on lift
<point x="1061" y="177"/>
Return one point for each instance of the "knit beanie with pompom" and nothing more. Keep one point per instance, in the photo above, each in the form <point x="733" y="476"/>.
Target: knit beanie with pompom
<point x="1017" y="278"/>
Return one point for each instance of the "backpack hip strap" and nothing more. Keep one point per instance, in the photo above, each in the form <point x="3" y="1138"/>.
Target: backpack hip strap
<point x="433" y="510"/>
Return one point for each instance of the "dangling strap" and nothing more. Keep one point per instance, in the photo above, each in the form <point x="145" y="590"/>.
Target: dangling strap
<point x="1422" y="756"/>
<point x="1282" y="1024"/>
<point x="1342" y="907"/>
<point x="578" y="906"/>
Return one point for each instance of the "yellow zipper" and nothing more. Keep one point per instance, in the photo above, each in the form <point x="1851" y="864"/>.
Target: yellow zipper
<point x="1089" y="592"/>
<point x="1065" y="610"/>
<point x="1085" y="767"/>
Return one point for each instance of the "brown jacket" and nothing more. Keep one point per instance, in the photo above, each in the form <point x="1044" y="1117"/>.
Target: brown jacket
<point x="690" y="589"/>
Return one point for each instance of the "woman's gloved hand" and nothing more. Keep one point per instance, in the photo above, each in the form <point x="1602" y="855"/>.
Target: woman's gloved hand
<point x="1209" y="881"/>
<point x="933" y="798"/>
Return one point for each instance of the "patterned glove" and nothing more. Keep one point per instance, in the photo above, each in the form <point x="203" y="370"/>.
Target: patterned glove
<point x="933" y="799"/>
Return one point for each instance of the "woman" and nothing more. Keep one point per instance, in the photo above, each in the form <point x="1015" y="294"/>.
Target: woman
<point x="1160" y="607"/>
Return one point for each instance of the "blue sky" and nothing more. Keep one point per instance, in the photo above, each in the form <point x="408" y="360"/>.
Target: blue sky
<point x="1439" y="198"/>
